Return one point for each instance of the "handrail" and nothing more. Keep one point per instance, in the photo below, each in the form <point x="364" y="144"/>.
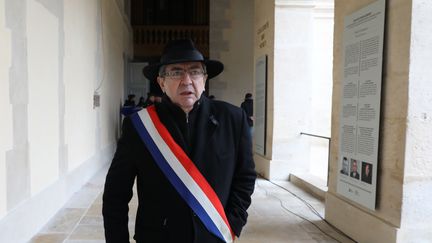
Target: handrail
<point x="328" y="157"/>
<point x="313" y="135"/>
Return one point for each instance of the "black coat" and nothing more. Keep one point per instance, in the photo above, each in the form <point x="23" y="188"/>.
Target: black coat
<point x="218" y="141"/>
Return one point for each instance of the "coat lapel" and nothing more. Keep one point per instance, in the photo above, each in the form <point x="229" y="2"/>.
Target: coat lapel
<point x="206" y="126"/>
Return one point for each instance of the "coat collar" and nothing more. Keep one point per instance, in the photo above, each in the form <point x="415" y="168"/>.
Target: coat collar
<point x="205" y="125"/>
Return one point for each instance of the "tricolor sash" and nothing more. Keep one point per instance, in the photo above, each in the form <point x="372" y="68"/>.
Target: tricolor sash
<point x="182" y="173"/>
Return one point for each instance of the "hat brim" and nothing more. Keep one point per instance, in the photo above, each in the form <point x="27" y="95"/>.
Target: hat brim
<point x="213" y="67"/>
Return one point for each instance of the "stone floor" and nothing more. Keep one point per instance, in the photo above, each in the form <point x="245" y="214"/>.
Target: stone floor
<point x="275" y="215"/>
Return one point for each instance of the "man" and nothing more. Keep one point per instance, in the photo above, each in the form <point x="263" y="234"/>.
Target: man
<point x="366" y="172"/>
<point x="130" y="100"/>
<point x="345" y="166"/>
<point x="191" y="157"/>
<point x="129" y="106"/>
<point x="247" y="106"/>
<point x="141" y="102"/>
<point x="150" y="99"/>
<point x="354" y="172"/>
<point x="158" y="99"/>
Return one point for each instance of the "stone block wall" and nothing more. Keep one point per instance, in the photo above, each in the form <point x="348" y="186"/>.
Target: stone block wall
<point x="55" y="56"/>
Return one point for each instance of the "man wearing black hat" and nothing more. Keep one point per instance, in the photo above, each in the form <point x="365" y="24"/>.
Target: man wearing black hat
<point x="191" y="157"/>
<point x="130" y="100"/>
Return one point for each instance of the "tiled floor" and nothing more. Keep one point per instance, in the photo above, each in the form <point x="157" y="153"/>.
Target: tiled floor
<point x="275" y="216"/>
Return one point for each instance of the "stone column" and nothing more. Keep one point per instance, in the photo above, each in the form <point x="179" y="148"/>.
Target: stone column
<point x="416" y="208"/>
<point x="404" y="185"/>
<point x="17" y="164"/>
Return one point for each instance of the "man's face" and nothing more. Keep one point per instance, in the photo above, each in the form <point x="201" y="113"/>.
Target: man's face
<point x="354" y="166"/>
<point x="345" y="166"/>
<point x="367" y="169"/>
<point x="183" y="83"/>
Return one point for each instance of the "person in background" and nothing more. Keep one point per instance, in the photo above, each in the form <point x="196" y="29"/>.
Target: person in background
<point x="158" y="98"/>
<point x="129" y="106"/>
<point x="141" y="102"/>
<point x="130" y="100"/>
<point x="150" y="99"/>
<point x="247" y="106"/>
<point x="190" y="156"/>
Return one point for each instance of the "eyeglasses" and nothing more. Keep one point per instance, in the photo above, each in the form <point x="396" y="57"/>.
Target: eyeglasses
<point x="194" y="74"/>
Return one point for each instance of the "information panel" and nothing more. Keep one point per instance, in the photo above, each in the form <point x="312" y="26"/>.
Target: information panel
<point x="260" y="105"/>
<point x="360" y="104"/>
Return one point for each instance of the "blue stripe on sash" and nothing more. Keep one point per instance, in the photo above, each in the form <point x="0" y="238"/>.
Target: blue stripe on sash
<point x="172" y="176"/>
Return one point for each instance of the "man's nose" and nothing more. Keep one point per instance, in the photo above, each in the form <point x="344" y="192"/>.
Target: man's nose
<point x="186" y="79"/>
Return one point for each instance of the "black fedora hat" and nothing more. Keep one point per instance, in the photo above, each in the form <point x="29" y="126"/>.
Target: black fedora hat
<point x="178" y="51"/>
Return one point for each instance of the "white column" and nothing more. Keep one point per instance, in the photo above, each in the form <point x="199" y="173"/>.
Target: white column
<point x="5" y="106"/>
<point x="416" y="218"/>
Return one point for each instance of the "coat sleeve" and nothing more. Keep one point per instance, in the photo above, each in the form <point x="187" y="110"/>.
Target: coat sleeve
<point x="118" y="186"/>
<point x="243" y="182"/>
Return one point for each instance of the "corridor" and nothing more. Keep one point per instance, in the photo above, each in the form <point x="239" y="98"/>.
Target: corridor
<point x="275" y="216"/>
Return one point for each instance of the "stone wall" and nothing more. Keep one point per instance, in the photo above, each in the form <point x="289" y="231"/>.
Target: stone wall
<point x="55" y="56"/>
<point x="231" y="42"/>
<point x="416" y="215"/>
<point x="404" y="177"/>
<point x="264" y="35"/>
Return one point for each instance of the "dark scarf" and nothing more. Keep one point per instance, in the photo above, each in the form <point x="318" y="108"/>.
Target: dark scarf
<point x="184" y="123"/>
